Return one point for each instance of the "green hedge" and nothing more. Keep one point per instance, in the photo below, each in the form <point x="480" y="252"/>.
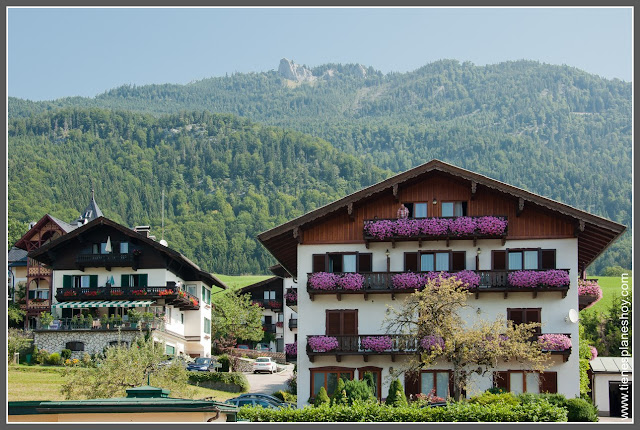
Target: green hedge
<point x="227" y="378"/>
<point x="541" y="411"/>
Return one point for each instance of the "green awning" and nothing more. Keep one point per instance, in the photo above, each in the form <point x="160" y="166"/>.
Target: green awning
<point x="105" y="304"/>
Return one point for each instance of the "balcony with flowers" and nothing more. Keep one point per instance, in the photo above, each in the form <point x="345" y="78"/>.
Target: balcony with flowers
<point x="476" y="281"/>
<point x="435" y="228"/>
<point x="291" y="351"/>
<point x="589" y="293"/>
<point x="556" y="344"/>
<point x="365" y="345"/>
<point x="291" y="298"/>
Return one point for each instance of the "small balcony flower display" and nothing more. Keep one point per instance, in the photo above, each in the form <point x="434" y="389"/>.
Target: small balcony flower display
<point x="323" y="281"/>
<point x="291" y="296"/>
<point x="117" y="292"/>
<point x="291" y="349"/>
<point x="70" y="293"/>
<point x="459" y="226"/>
<point x="257" y="303"/>
<point x="491" y="225"/>
<point x="469" y="278"/>
<point x="280" y="324"/>
<point x="587" y="288"/>
<point x="431" y="342"/>
<point x="166" y="292"/>
<point x="534" y="278"/>
<point x="323" y="343"/>
<point x="274" y="304"/>
<point x="377" y="343"/>
<point x="407" y="227"/>
<point x="351" y="281"/>
<point x="407" y="281"/>
<point x="434" y="226"/>
<point x="139" y="292"/>
<point x="182" y="294"/>
<point x="380" y="229"/>
<point x="91" y="293"/>
<point x="554" y="342"/>
<point x="194" y="301"/>
<point x="38" y="300"/>
<point x="462" y="226"/>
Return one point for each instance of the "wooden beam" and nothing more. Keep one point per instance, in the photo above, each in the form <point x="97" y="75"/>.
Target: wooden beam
<point x="297" y="234"/>
<point x="579" y="228"/>
<point x="520" y="206"/>
<point x="474" y="186"/>
<point x="395" y="191"/>
<point x="352" y="217"/>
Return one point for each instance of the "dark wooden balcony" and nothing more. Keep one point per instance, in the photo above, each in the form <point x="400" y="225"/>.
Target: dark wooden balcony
<point x="170" y="293"/>
<point x="291" y="298"/>
<point x="352" y="345"/>
<point x="107" y="260"/>
<point x="428" y="237"/>
<point x="38" y="304"/>
<point x="586" y="301"/>
<point x="565" y="353"/>
<point x="269" y="328"/>
<point x="491" y="281"/>
<point x="293" y="323"/>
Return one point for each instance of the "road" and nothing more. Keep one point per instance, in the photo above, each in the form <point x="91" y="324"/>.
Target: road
<point x="266" y="383"/>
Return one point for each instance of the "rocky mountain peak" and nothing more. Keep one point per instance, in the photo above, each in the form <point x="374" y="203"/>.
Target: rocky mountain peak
<point x="295" y="72"/>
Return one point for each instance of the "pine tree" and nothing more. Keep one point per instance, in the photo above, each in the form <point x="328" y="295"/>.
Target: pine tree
<point x="322" y="398"/>
<point x="396" y="395"/>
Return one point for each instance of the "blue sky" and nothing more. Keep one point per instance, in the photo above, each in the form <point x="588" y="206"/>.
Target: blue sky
<point x="59" y="52"/>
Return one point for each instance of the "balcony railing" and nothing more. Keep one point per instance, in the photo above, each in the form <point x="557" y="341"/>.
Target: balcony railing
<point x="70" y="324"/>
<point x="384" y="344"/>
<point x="382" y="283"/>
<point x="106" y="260"/>
<point x="358" y="345"/>
<point x="435" y="228"/>
<point x="293" y="323"/>
<point x="273" y="304"/>
<point x="269" y="328"/>
<point x="38" y="271"/>
<point x="170" y="293"/>
<point x="38" y="304"/>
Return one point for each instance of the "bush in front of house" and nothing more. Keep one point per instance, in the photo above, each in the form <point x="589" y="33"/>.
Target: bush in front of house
<point x="322" y="398"/>
<point x="54" y="359"/>
<point x="488" y="398"/>
<point x="65" y="354"/>
<point x="225" y="362"/>
<point x="578" y="410"/>
<point x="396" y="395"/>
<point x="229" y="378"/>
<point x="541" y="411"/>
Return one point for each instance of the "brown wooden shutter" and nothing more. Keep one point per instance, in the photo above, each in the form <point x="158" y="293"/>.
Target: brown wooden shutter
<point x="548" y="259"/>
<point x="333" y="320"/>
<point x="411" y="261"/>
<point x="451" y="383"/>
<point x="412" y="383"/>
<point x="499" y="260"/>
<point x="549" y="382"/>
<point x="350" y="322"/>
<point x="365" y="262"/>
<point x="515" y="315"/>
<point x="532" y="315"/>
<point x="501" y="380"/>
<point x="458" y="260"/>
<point x="318" y="262"/>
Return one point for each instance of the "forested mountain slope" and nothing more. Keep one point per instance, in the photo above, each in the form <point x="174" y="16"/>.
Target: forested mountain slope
<point x="554" y="130"/>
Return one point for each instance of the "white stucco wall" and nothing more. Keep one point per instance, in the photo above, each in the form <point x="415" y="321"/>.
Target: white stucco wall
<point x="371" y="312"/>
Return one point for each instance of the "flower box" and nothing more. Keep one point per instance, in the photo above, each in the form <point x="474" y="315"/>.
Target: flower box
<point x="377" y="343"/>
<point x="539" y="278"/>
<point x="291" y="349"/>
<point x="70" y="293"/>
<point x="117" y="293"/>
<point x="166" y="292"/>
<point x="554" y="342"/>
<point x="139" y="292"/>
<point x="431" y="342"/>
<point x="274" y="304"/>
<point x="323" y="343"/>
<point x="437" y="227"/>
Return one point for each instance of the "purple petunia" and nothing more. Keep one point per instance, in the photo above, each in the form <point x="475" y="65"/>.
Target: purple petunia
<point x="430" y="342"/>
<point x="291" y="349"/>
<point x="323" y="281"/>
<point x="462" y="226"/>
<point x="554" y="342"/>
<point x="323" y="343"/>
<point x="459" y="226"/>
<point x="377" y="343"/>
<point x="351" y="281"/>
<point x="536" y="278"/>
<point x="491" y="225"/>
<point x="407" y="281"/>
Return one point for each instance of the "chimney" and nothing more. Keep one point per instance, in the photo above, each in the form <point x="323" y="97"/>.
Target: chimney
<point x="142" y="229"/>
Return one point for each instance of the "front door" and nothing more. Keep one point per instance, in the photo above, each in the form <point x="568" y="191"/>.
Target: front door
<point x="619" y="399"/>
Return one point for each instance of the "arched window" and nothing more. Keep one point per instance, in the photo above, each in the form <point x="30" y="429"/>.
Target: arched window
<point x="75" y="346"/>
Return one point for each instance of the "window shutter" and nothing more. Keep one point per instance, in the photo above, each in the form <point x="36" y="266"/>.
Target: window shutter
<point x="515" y="315"/>
<point x="67" y="281"/>
<point x="532" y="315"/>
<point x="549" y="382"/>
<point x="93" y="281"/>
<point x="365" y="262"/>
<point x="501" y="380"/>
<point x="411" y="261"/>
<point x="124" y="280"/>
<point x="333" y="323"/>
<point x="318" y="262"/>
<point x="458" y="260"/>
<point x="450" y="383"/>
<point x="548" y="259"/>
<point x="499" y="260"/>
<point x="350" y="322"/>
<point x="143" y="279"/>
<point x="411" y="383"/>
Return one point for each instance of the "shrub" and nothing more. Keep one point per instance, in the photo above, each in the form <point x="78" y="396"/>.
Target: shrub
<point x="358" y="390"/>
<point x="65" y="354"/>
<point x="396" y="395"/>
<point x="339" y="396"/>
<point x="286" y="396"/>
<point x="496" y="390"/>
<point x="580" y="410"/>
<point x="42" y="357"/>
<point x="487" y="398"/>
<point x="322" y="398"/>
<point x="292" y="383"/>
<point x="232" y="378"/>
<point x="368" y="378"/>
<point x="54" y="359"/>
<point x="224" y="360"/>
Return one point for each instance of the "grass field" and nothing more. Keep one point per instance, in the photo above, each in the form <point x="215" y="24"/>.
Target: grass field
<point x="236" y="282"/>
<point x="610" y="288"/>
<point x="43" y="383"/>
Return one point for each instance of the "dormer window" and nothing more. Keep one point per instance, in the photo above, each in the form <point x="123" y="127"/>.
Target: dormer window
<point x="88" y="214"/>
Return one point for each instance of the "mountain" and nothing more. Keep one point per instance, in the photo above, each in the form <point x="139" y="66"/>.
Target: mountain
<point x="554" y="130"/>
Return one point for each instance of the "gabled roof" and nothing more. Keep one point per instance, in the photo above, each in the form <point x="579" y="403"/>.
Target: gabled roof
<point x="64" y="226"/>
<point x="92" y="211"/>
<point x="41" y="254"/>
<point x="596" y="233"/>
<point x="260" y="284"/>
<point x="16" y="255"/>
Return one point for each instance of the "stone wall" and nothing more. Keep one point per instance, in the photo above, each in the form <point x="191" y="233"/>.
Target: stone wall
<point x="94" y="341"/>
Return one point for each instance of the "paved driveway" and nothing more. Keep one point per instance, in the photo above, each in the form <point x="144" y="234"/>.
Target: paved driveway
<point x="267" y="383"/>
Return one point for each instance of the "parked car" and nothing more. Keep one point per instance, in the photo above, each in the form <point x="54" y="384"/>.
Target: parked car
<point x="259" y="400"/>
<point x="264" y="364"/>
<point x="267" y="397"/>
<point x="173" y="359"/>
<point x="242" y="347"/>
<point x="204" y="364"/>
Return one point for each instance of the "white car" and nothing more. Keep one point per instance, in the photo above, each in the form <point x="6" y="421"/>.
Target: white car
<point x="264" y="364"/>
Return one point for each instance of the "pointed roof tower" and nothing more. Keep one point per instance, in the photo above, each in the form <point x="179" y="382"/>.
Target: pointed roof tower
<point x="91" y="212"/>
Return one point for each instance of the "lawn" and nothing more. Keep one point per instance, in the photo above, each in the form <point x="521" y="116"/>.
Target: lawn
<point x="236" y="282"/>
<point x="610" y="287"/>
<point x="43" y="383"/>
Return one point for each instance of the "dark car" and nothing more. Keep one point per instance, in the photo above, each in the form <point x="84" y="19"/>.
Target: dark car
<point x="266" y="397"/>
<point x="204" y="364"/>
<point x="249" y="400"/>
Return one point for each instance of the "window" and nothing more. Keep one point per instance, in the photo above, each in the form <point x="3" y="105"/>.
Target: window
<point x="207" y="325"/>
<point x="269" y="295"/>
<point x="524" y="316"/>
<point x="80" y="281"/>
<point x="171" y="350"/>
<point x="167" y="313"/>
<point x="435" y="380"/>
<point x="206" y="294"/>
<point x="139" y="280"/>
<point x="416" y="210"/>
<point x="181" y="317"/>
<point x="124" y="248"/>
<point x="547" y="259"/>
<point x="520" y="381"/>
<point x="192" y="289"/>
<point x="75" y="346"/>
<point x="280" y="317"/>
<point x="341" y="322"/>
<point x="327" y="377"/>
<point x="38" y="294"/>
<point x="523" y="259"/>
<point x="454" y="209"/>
<point x="343" y="262"/>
